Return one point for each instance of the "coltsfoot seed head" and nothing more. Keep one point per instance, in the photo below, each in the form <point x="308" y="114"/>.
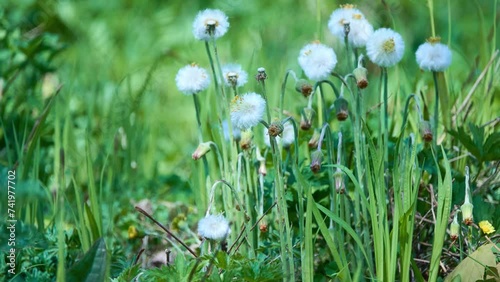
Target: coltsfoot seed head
<point x="192" y="79"/>
<point x="247" y="110"/>
<point x="317" y="61"/>
<point x="385" y="47"/>
<point x="351" y="21"/>
<point x="210" y="24"/>
<point x="433" y="55"/>
<point x="234" y="75"/>
<point x="214" y="227"/>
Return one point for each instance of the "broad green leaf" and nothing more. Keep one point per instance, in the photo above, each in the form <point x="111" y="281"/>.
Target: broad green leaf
<point x="92" y="267"/>
<point x="473" y="267"/>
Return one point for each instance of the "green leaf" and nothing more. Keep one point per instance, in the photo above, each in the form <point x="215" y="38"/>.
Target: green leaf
<point x="92" y="267"/>
<point x="473" y="267"/>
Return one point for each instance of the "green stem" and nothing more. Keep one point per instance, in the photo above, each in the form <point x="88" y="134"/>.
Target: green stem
<point x="283" y="222"/>
<point x="264" y="94"/>
<point x="283" y="86"/>
<point x="385" y="127"/>
<point x="436" y="109"/>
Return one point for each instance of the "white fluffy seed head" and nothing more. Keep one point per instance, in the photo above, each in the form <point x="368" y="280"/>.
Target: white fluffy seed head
<point x="360" y="28"/>
<point x="247" y="110"/>
<point x="210" y="24"/>
<point x="433" y="56"/>
<point x="214" y="227"/>
<point x="192" y="79"/>
<point x="317" y="60"/>
<point x="234" y="73"/>
<point x="385" y="47"/>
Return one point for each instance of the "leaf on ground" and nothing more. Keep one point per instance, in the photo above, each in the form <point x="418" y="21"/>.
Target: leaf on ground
<point x="473" y="267"/>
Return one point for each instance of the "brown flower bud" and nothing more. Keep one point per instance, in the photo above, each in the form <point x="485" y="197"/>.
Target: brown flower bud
<point x="246" y="140"/>
<point x="360" y="75"/>
<point x="341" y="108"/>
<point x="306" y="118"/>
<point x="313" y="142"/>
<point x="316" y="158"/>
<point x="304" y="87"/>
<point x="275" y="129"/>
<point x="426" y="131"/>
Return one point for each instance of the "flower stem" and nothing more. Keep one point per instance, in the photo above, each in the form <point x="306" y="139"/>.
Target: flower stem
<point x="436" y="108"/>
<point x="264" y="94"/>
<point x="385" y="127"/>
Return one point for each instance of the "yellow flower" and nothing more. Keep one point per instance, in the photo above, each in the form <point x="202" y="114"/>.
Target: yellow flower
<point x="132" y="232"/>
<point x="486" y="227"/>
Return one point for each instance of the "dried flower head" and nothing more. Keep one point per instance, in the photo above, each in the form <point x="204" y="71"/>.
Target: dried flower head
<point x="426" y="131"/>
<point x="275" y="128"/>
<point x="313" y="142"/>
<point x="316" y="159"/>
<point x="192" y="79"/>
<point x="486" y="227"/>
<point x="433" y="55"/>
<point x="385" y="47"/>
<point x="210" y="24"/>
<point x="234" y="75"/>
<point x="247" y="110"/>
<point x="261" y="74"/>
<point x="360" y="74"/>
<point x="246" y="140"/>
<point x="306" y="118"/>
<point x="317" y="60"/>
<point x="286" y="138"/>
<point x="214" y="227"/>
<point x="304" y="87"/>
<point x="341" y="108"/>
<point x="348" y="19"/>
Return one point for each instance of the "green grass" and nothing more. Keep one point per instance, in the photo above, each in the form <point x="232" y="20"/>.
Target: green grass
<point x="92" y="121"/>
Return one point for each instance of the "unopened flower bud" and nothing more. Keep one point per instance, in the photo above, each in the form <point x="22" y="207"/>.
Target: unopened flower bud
<point x="467" y="217"/>
<point x="261" y="74"/>
<point x="263" y="227"/>
<point x="454" y="228"/>
<point x="339" y="182"/>
<point x="202" y="150"/>
<point x="467" y="207"/>
<point x="313" y="142"/>
<point x="275" y="129"/>
<point x="246" y="139"/>
<point x="360" y="75"/>
<point x="262" y="168"/>
<point x="306" y="118"/>
<point x="341" y="108"/>
<point x="426" y="131"/>
<point x="316" y="158"/>
<point x="304" y="87"/>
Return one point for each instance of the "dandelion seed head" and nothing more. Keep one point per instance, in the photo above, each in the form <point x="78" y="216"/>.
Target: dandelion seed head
<point x="247" y="110"/>
<point x="214" y="227"/>
<point x="234" y="75"/>
<point x="433" y="55"/>
<point x="385" y="47"/>
<point x="317" y="60"/>
<point x="210" y="24"/>
<point x="359" y="27"/>
<point x="192" y="79"/>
